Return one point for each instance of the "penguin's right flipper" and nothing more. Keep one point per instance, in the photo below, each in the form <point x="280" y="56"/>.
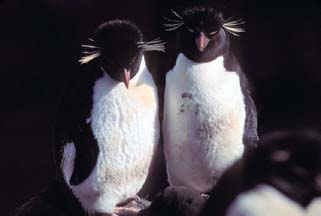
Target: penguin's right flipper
<point x="250" y="137"/>
<point x="86" y="155"/>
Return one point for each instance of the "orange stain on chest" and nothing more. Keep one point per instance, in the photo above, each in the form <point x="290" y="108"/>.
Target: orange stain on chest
<point x="144" y="93"/>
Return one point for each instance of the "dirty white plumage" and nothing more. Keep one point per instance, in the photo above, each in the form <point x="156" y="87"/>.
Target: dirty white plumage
<point x="125" y="125"/>
<point x="204" y="118"/>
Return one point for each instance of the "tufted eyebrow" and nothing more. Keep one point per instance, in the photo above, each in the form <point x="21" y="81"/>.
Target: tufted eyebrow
<point x="233" y="26"/>
<point x="153" y="45"/>
<point x="174" y="23"/>
<point x="90" y="52"/>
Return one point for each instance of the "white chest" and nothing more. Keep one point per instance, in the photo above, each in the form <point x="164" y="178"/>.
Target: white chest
<point x="263" y="197"/>
<point x="126" y="127"/>
<point x="203" y="121"/>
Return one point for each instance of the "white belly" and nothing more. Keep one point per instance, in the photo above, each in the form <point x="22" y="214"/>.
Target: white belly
<point x="203" y="125"/>
<point x="126" y="127"/>
<point x="262" y="198"/>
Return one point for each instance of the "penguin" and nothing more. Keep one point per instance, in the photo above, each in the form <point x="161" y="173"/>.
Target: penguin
<point x="281" y="177"/>
<point x="176" y="201"/>
<point x="209" y="114"/>
<point x="107" y="128"/>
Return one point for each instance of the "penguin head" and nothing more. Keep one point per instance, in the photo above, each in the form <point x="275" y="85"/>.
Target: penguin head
<point x="290" y="162"/>
<point x="202" y="32"/>
<point x="117" y="47"/>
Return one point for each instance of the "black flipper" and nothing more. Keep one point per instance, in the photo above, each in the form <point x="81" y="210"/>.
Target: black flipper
<point x="86" y="155"/>
<point x="250" y="135"/>
<point x="72" y="125"/>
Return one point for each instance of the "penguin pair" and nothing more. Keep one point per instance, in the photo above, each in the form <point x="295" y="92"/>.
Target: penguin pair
<point x="282" y="177"/>
<point x="108" y="127"/>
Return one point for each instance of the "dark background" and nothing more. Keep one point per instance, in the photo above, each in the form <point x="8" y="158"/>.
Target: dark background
<point x="40" y="44"/>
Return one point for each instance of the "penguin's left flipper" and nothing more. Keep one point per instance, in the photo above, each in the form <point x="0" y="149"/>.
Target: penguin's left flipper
<point x="86" y="154"/>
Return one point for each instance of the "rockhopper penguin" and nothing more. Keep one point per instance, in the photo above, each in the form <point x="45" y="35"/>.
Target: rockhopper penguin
<point x="209" y="115"/>
<point x="108" y="128"/>
<point x="282" y="177"/>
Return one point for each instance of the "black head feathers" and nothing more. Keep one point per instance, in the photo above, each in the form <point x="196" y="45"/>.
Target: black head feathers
<point x="115" y="34"/>
<point x="203" y="32"/>
<point x="109" y="38"/>
<point x="117" y="47"/>
<point x="202" y="18"/>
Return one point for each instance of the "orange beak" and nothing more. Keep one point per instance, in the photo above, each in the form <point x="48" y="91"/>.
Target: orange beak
<point x="126" y="77"/>
<point x="201" y="42"/>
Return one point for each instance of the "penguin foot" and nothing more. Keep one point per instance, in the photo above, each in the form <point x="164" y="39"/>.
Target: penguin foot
<point x="141" y="202"/>
<point x="205" y="196"/>
<point x="125" y="211"/>
<point x="131" y="208"/>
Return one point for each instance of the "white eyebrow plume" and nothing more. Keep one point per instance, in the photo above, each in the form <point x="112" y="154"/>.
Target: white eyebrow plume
<point x="90" y="52"/>
<point x="174" y="23"/>
<point x="233" y="26"/>
<point x="153" y="45"/>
